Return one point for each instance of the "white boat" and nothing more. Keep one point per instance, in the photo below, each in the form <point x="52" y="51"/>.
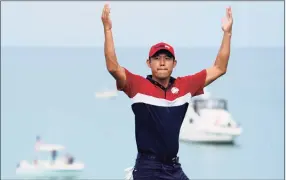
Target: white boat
<point x="106" y="94"/>
<point x="208" y="120"/>
<point x="47" y="168"/>
<point x="128" y="173"/>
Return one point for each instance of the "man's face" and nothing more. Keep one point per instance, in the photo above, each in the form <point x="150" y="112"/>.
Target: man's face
<point x="162" y="65"/>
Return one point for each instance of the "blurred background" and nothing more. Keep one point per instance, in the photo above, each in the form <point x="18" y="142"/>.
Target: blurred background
<point x="53" y="68"/>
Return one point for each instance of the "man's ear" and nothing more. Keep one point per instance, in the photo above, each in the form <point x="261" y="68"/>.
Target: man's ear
<point x="175" y="63"/>
<point x="148" y="61"/>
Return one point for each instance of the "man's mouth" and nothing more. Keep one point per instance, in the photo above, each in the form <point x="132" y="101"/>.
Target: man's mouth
<point x="162" y="69"/>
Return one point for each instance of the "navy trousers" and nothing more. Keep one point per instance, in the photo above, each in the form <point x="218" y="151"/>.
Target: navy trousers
<point x="149" y="167"/>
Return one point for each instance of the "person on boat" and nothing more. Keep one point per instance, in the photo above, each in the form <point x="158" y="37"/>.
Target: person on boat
<point x="69" y="159"/>
<point x="38" y="143"/>
<point x="37" y="147"/>
<point x="160" y="101"/>
<point x="54" y="154"/>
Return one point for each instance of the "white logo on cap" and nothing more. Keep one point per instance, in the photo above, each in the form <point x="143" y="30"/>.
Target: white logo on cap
<point x="166" y="46"/>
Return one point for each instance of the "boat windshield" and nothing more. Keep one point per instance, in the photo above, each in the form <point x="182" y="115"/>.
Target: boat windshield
<point x="210" y="104"/>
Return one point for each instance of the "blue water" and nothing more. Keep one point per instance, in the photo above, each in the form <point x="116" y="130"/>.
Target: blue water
<point x="50" y="92"/>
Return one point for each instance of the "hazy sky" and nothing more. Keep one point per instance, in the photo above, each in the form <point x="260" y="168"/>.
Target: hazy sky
<point x="187" y="24"/>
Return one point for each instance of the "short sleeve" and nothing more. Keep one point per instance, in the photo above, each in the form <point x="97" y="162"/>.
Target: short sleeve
<point x="132" y="83"/>
<point x="195" y="83"/>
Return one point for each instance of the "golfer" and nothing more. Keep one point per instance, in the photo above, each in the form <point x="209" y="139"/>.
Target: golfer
<point x="160" y="101"/>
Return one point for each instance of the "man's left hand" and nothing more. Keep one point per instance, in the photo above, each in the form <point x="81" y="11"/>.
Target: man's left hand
<point x="227" y="21"/>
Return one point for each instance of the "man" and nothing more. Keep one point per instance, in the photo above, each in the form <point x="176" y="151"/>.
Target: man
<point x="160" y="101"/>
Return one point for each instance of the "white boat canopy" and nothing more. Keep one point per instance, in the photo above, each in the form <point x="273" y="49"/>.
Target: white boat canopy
<point x="50" y="147"/>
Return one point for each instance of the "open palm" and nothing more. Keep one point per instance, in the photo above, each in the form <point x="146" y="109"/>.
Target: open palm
<point x="227" y="21"/>
<point x="105" y="17"/>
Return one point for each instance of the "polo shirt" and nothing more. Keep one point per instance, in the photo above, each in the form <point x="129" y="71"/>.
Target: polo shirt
<point x="159" y="111"/>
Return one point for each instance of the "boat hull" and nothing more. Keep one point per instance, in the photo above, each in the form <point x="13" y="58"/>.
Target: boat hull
<point x="213" y="134"/>
<point x="45" y="169"/>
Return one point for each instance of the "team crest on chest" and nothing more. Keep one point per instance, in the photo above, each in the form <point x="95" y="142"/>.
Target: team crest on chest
<point x="174" y="90"/>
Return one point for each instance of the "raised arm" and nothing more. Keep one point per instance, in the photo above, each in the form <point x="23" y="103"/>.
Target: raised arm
<point x="220" y="66"/>
<point x="112" y="65"/>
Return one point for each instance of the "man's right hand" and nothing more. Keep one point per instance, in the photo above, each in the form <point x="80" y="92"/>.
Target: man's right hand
<point x="105" y="17"/>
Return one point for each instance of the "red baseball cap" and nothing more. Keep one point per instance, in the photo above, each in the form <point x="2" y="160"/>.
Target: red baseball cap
<point x="161" y="46"/>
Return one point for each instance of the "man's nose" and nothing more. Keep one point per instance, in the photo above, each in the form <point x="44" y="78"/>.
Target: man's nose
<point x="162" y="61"/>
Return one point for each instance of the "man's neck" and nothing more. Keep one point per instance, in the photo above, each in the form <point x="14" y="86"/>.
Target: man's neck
<point x="163" y="82"/>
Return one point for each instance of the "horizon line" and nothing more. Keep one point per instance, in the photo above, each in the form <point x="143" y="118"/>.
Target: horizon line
<point x="131" y="47"/>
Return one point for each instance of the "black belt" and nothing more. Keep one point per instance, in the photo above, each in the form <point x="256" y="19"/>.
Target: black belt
<point x="174" y="160"/>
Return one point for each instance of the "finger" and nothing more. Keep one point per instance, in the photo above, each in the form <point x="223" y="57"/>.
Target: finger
<point x="106" y="12"/>
<point x="103" y="14"/>
<point x="227" y="12"/>
<point x="103" y="11"/>
<point x="107" y="6"/>
<point x="230" y="13"/>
